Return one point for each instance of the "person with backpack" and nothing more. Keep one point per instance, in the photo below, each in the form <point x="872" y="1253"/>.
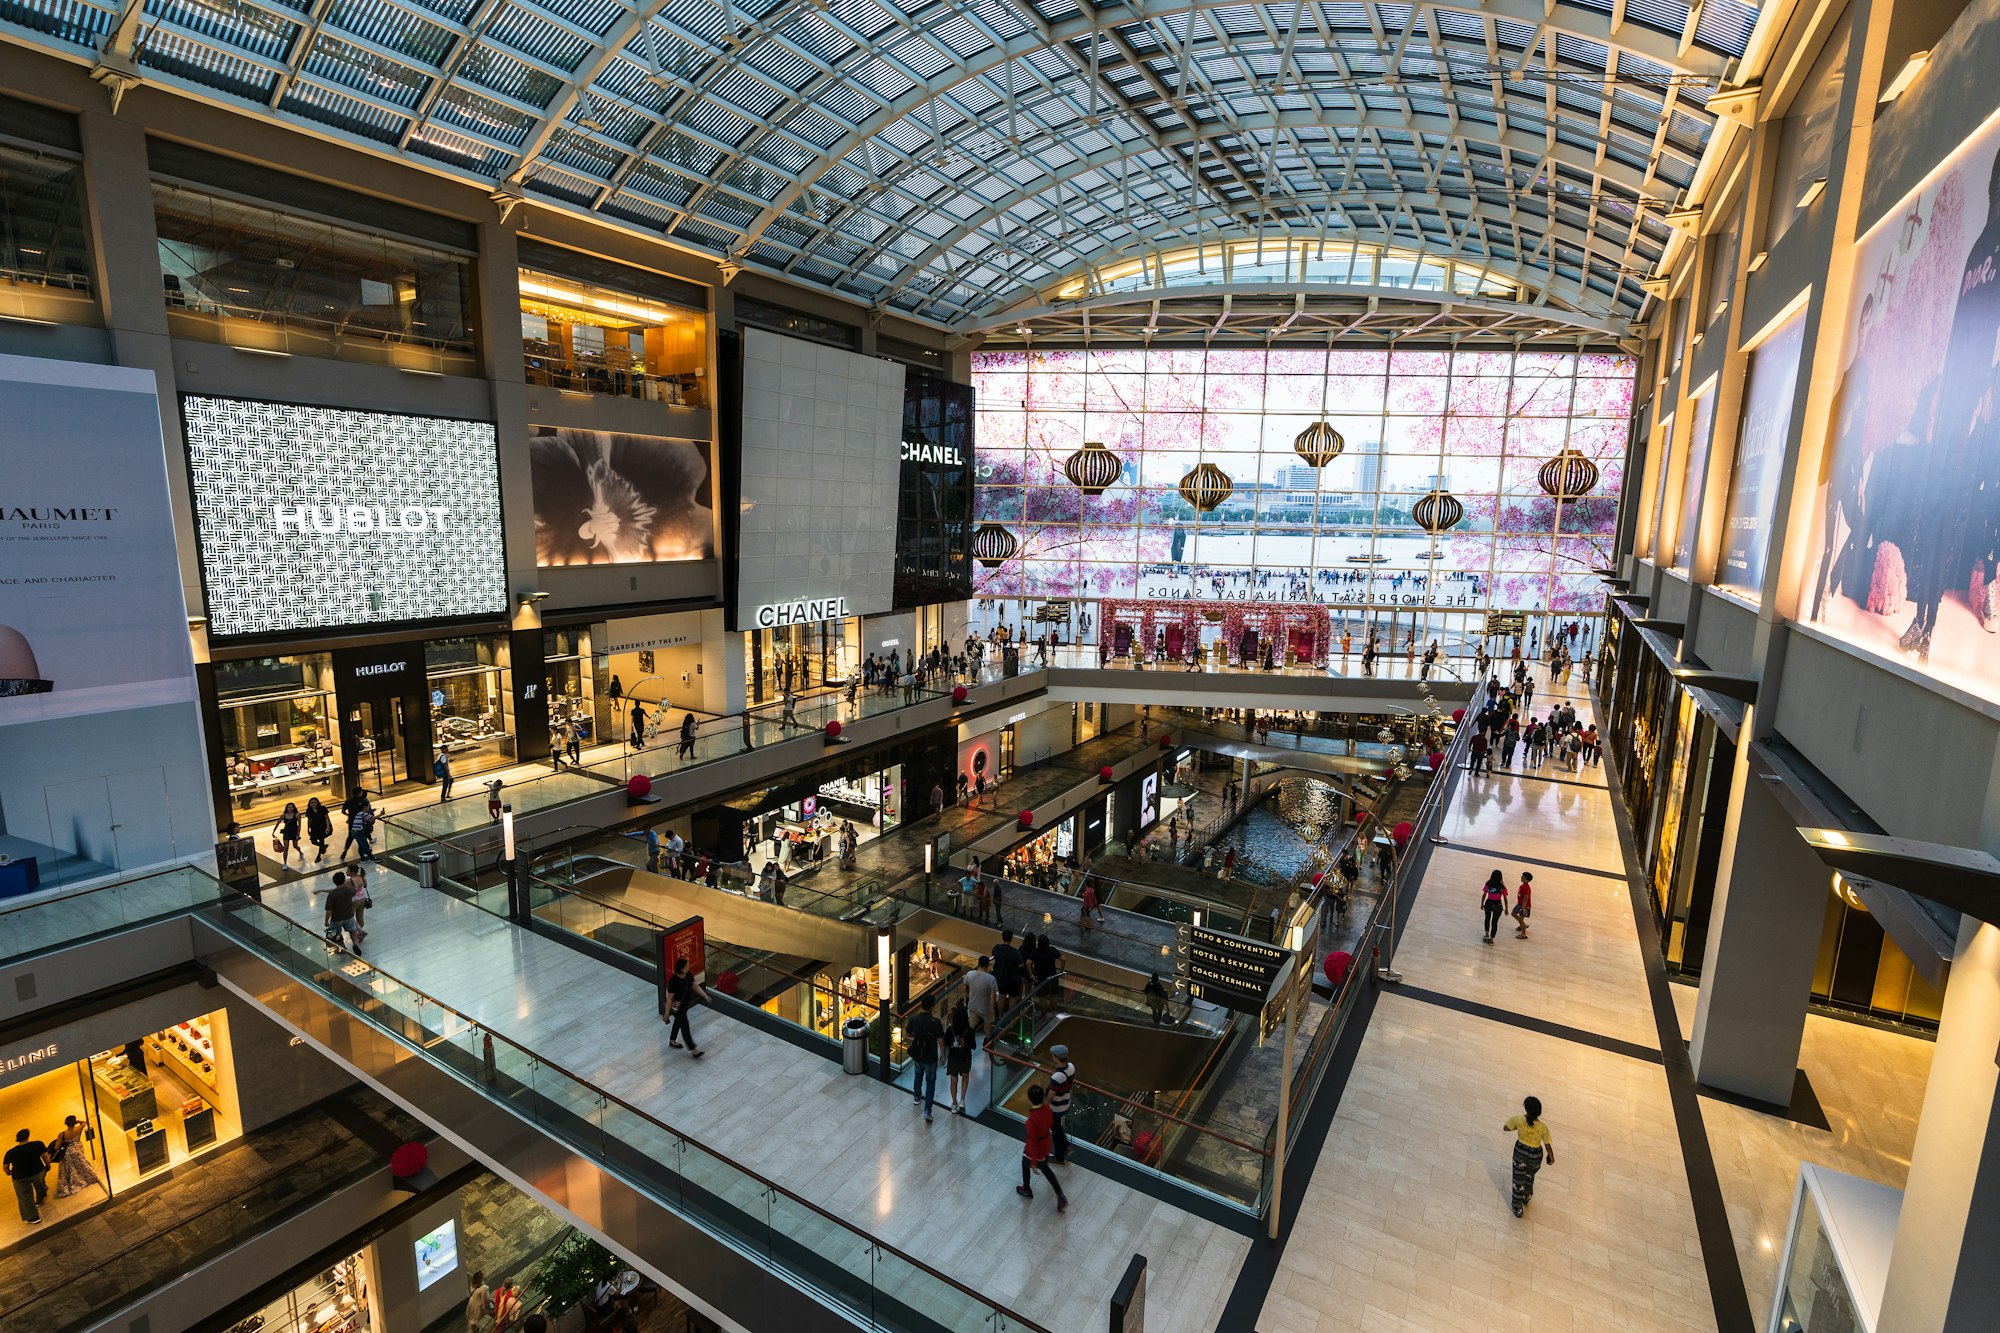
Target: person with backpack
<point x="1522" y="906"/>
<point x="1493" y="903"/>
<point x="360" y="827"/>
<point x="1533" y="1146"/>
<point x="921" y="1040"/>
<point x="684" y="990"/>
<point x="441" y="769"/>
<point x="958" y="1045"/>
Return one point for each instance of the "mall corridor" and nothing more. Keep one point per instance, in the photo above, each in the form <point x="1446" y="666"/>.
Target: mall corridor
<point x="1664" y="1208"/>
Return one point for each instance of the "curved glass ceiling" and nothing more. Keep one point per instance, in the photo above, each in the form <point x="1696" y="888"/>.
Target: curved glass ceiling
<point x="951" y="159"/>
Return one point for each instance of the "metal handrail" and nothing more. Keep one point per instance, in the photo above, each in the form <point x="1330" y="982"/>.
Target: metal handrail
<point x="611" y="1097"/>
<point x="1169" y="1116"/>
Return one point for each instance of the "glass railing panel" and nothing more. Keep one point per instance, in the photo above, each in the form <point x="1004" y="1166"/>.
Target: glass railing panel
<point x="54" y="922"/>
<point x="812" y="1246"/>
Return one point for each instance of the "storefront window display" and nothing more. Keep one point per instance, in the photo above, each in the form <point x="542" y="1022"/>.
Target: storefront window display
<point x="1861" y="970"/>
<point x="807" y="832"/>
<point x="569" y="682"/>
<point x="334" y="1301"/>
<point x="1045" y="858"/>
<point x="119" y="1117"/>
<point x="801" y="657"/>
<point x="277" y="720"/>
<point x="469" y="684"/>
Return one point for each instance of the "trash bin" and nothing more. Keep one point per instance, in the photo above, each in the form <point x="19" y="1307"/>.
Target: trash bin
<point x="854" y="1046"/>
<point x="427" y="870"/>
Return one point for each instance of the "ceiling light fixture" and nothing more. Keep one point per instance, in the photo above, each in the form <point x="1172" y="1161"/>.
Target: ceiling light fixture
<point x="29" y="319"/>
<point x="260" y="351"/>
<point x="1905" y="76"/>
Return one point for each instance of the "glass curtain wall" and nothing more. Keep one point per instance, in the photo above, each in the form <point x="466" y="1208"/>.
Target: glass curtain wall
<point x="1478" y="424"/>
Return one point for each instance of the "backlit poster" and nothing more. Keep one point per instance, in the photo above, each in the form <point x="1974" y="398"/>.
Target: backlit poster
<point x="98" y="720"/>
<point x="1694" y="478"/>
<point x="1906" y="524"/>
<point x="1760" y="455"/>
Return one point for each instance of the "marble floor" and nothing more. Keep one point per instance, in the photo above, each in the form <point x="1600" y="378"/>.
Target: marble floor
<point x="1405" y="1223"/>
<point x="942" y="1193"/>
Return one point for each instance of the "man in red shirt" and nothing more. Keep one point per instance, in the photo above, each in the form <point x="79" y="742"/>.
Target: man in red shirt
<point x="1035" y="1154"/>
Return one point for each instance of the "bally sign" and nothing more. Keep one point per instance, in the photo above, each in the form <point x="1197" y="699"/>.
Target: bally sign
<point x="772" y="615"/>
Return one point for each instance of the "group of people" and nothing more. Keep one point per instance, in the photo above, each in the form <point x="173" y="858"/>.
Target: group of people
<point x="1500" y="729"/>
<point x="315" y="825"/>
<point x="27" y="1164"/>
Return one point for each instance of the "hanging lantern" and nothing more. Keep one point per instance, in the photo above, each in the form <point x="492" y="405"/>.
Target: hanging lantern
<point x="1206" y="487"/>
<point x="1437" y="512"/>
<point x="993" y="546"/>
<point x="1093" y="468"/>
<point x="1568" y="476"/>
<point x="1319" y="444"/>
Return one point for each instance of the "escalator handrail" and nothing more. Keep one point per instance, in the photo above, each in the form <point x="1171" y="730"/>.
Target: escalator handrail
<point x="223" y="910"/>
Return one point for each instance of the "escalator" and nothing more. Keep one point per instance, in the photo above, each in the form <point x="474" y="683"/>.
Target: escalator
<point x="714" y="1230"/>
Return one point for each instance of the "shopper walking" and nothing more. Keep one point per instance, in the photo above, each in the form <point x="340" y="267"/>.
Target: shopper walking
<point x="1481" y="752"/>
<point x="688" y="725"/>
<point x="441" y="770"/>
<point x="982" y="997"/>
<point x="507" y="1307"/>
<point x="638" y="725"/>
<point x="1533" y="1147"/>
<point x="1008" y="968"/>
<point x="285" y="836"/>
<point x="357" y="879"/>
<point x="921" y="1041"/>
<point x="1523" y="893"/>
<point x="27" y="1165"/>
<point x="360" y="831"/>
<point x="319" y="827"/>
<point x="1091" y="911"/>
<point x="1493" y="903"/>
<point x="479" y="1305"/>
<point x="1156" y="998"/>
<point x="1062" y="1087"/>
<point x="493" y="789"/>
<point x="72" y="1162"/>
<point x="573" y="742"/>
<point x="958" y="1045"/>
<point x="340" y="915"/>
<point x="684" y="991"/>
<point x="1035" y="1151"/>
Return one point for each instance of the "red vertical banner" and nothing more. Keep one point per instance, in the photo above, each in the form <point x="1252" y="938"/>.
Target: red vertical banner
<point x="687" y="940"/>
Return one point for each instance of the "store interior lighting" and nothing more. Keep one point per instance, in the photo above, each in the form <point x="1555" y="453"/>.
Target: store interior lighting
<point x="575" y="303"/>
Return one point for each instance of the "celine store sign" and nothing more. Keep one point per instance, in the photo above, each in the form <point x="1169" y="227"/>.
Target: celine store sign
<point x="775" y="615"/>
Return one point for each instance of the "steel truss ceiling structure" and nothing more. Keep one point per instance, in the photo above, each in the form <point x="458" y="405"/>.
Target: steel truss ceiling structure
<point x="957" y="161"/>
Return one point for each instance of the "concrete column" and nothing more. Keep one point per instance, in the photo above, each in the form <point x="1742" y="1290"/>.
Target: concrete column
<point x="1763" y="941"/>
<point x="125" y="253"/>
<point x="499" y="280"/>
<point x="1942" y="1277"/>
<point x="723" y="689"/>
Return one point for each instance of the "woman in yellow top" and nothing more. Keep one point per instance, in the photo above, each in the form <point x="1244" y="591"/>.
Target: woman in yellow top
<point x="1533" y="1145"/>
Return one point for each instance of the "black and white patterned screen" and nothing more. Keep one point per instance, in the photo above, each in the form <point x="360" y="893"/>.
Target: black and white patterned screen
<point x="315" y="517"/>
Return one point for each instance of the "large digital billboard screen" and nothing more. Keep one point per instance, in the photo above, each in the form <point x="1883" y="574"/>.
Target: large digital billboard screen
<point x="1341" y="536"/>
<point x="314" y="517"/>
<point x="609" y="498"/>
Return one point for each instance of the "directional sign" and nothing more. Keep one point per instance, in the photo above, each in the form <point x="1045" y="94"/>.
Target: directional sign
<point x="1506" y="622"/>
<point x="1231" y="970"/>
